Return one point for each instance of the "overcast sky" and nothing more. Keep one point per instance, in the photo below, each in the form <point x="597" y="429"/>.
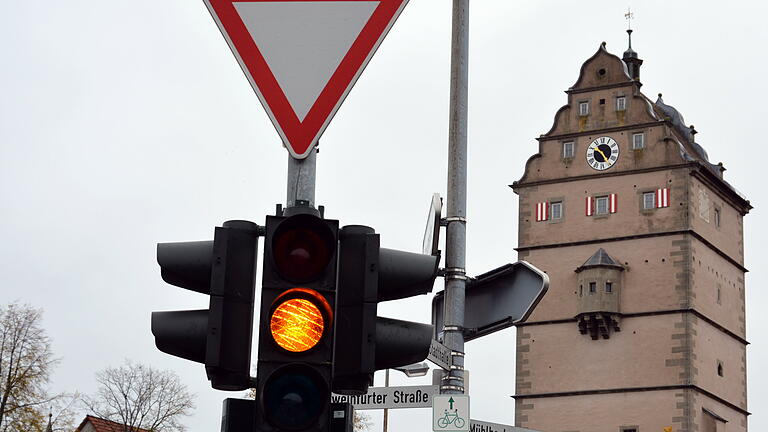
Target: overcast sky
<point x="124" y="124"/>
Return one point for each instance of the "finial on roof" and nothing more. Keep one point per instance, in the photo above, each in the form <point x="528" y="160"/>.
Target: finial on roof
<point x="602" y="45"/>
<point x="629" y="16"/>
<point x="693" y="130"/>
<point x="631" y="59"/>
<point x="49" y="428"/>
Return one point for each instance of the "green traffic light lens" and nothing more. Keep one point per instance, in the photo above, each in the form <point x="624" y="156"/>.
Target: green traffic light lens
<point x="294" y="397"/>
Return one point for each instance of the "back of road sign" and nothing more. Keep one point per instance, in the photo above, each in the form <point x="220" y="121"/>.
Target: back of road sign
<point x="303" y="57"/>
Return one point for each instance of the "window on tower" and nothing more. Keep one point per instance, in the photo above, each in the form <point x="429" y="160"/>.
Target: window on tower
<point x="556" y="210"/>
<point x="638" y="141"/>
<point x="601" y="205"/>
<point x="583" y="108"/>
<point x="593" y="287"/>
<point x="609" y="287"/>
<point x="621" y="103"/>
<point x="649" y="200"/>
<point x="568" y="150"/>
<point x="717" y="217"/>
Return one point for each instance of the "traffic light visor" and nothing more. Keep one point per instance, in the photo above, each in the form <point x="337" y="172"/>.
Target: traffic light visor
<point x="299" y="319"/>
<point x="302" y="247"/>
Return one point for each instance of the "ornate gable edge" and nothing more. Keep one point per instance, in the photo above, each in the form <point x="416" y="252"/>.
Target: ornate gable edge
<point x="600" y="51"/>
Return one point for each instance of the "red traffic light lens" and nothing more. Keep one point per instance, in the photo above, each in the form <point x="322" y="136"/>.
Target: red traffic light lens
<point x="302" y="247"/>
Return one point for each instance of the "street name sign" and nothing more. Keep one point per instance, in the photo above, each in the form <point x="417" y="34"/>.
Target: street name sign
<point x="440" y="355"/>
<point x="303" y="57"/>
<point x="390" y="397"/>
<point x="481" y="426"/>
<point x="450" y="413"/>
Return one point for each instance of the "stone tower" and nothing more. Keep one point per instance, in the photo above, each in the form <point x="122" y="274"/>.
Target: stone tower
<point x="643" y="326"/>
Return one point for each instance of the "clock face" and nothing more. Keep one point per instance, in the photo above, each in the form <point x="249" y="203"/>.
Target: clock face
<point x="602" y="153"/>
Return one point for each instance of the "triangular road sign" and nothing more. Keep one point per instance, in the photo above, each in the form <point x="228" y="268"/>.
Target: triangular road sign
<point x="303" y="57"/>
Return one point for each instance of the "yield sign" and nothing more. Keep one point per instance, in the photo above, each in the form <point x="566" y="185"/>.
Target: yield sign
<point x="302" y="57"/>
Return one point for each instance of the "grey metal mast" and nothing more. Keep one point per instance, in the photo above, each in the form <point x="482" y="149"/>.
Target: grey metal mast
<point x="456" y="231"/>
<point x="301" y="179"/>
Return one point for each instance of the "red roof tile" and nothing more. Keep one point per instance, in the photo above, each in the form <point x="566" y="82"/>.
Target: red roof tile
<point x="103" y="425"/>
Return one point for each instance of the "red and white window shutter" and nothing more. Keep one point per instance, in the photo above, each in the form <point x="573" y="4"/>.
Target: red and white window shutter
<point x="611" y="206"/>
<point x="542" y="211"/>
<point x="662" y="197"/>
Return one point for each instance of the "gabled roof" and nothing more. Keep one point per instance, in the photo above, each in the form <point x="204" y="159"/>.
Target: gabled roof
<point x="600" y="259"/>
<point x="104" y="425"/>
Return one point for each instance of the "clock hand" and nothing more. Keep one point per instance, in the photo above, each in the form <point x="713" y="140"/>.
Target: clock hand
<point x="597" y="149"/>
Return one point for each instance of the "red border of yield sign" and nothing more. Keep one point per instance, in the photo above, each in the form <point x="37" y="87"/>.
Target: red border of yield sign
<point x="301" y="136"/>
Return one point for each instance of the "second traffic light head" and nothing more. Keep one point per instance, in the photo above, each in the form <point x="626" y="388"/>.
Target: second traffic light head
<point x="220" y="336"/>
<point x="369" y="274"/>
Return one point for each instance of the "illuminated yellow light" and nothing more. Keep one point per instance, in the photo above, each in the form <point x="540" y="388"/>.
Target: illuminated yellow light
<point x="297" y="325"/>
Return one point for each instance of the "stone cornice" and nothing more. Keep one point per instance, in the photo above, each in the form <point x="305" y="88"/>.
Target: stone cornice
<point x="693" y="233"/>
<point x="693" y="311"/>
<point x="633" y="390"/>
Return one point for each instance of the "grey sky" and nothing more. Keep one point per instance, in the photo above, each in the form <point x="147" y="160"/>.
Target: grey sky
<point x="123" y="124"/>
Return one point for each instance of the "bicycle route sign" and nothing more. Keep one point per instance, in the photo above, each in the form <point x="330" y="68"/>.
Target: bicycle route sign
<point x="450" y="413"/>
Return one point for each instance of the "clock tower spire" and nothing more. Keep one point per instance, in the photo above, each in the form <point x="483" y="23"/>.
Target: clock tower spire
<point x="630" y="57"/>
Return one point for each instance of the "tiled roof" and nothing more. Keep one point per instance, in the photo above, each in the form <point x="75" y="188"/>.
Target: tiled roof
<point x="103" y="425"/>
<point x="600" y="259"/>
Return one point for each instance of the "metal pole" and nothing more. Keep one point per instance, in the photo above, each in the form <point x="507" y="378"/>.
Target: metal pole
<point x="301" y="179"/>
<point x="455" y="243"/>
<point x="386" y="411"/>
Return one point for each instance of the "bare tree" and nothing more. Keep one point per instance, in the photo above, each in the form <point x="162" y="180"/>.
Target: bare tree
<point x="140" y="396"/>
<point x="362" y="422"/>
<point x="26" y="362"/>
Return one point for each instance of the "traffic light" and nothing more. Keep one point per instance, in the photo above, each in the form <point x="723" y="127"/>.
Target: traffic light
<point x="220" y="336"/>
<point x="368" y="274"/>
<point x="296" y="324"/>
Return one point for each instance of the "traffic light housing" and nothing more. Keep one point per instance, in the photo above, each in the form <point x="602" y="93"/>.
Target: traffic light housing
<point x="220" y="336"/>
<point x="369" y="274"/>
<point x="296" y="325"/>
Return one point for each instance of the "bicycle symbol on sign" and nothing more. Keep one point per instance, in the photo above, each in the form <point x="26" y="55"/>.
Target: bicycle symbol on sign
<point x="451" y="418"/>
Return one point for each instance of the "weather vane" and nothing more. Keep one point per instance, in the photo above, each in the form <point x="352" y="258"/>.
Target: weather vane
<point x="629" y="16"/>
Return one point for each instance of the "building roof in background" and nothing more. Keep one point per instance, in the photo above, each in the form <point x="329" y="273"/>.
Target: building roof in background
<point x="103" y="425"/>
